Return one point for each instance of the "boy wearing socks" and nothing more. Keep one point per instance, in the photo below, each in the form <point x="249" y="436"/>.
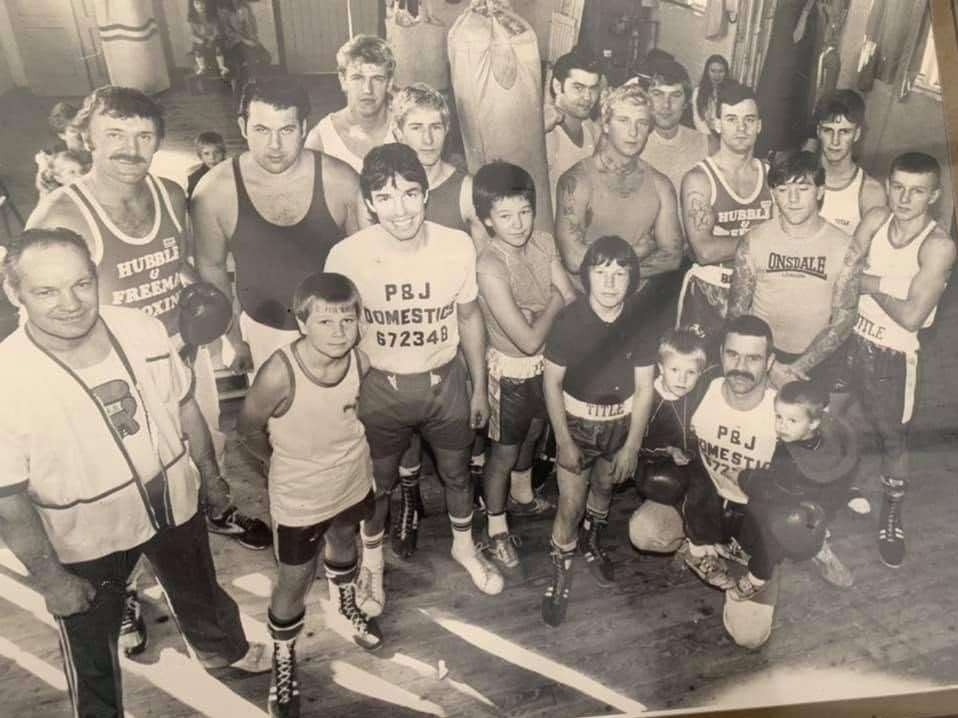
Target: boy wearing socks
<point x="320" y="482"/>
<point x="522" y="288"/>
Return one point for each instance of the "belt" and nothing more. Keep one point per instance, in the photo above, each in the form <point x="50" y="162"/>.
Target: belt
<point x="715" y="274"/>
<point x="418" y="381"/>
<point x="596" y="412"/>
<point x="503" y="365"/>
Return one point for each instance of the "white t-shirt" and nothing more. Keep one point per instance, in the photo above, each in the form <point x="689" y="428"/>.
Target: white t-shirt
<point x="731" y="440"/>
<point x="410" y="298"/>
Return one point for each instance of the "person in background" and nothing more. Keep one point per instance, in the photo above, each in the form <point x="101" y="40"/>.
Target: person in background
<point x="61" y="168"/>
<point x="206" y="37"/>
<point x="705" y="96"/>
<point x="211" y="150"/>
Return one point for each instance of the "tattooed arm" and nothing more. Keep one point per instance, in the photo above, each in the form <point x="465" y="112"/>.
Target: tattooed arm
<point x="699" y="219"/>
<point x="844" y="312"/>
<point x="743" y="280"/>
<point x="573" y="199"/>
<point x="667" y="254"/>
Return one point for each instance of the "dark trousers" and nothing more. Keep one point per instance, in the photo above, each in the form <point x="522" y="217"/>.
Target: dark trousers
<point x="181" y="559"/>
<point x="710" y="519"/>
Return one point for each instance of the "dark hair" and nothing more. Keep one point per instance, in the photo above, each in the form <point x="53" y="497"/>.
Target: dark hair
<point x="278" y="92"/>
<point x="705" y="84"/>
<point x="686" y="341"/>
<point x="209" y="138"/>
<point x="122" y="103"/>
<point x="670" y="72"/>
<point x="809" y="394"/>
<point x="579" y="58"/>
<point x="61" y="116"/>
<point x="382" y="164"/>
<point x="917" y="163"/>
<point x="748" y="325"/>
<point x="838" y="104"/>
<point x="733" y="92"/>
<point x="41" y="238"/>
<point x="608" y="249"/>
<point x="498" y="180"/>
<point x="794" y="166"/>
<point x="212" y="7"/>
<point x="324" y="287"/>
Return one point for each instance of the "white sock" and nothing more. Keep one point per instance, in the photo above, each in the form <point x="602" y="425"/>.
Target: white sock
<point x="498" y="524"/>
<point x="478" y="460"/>
<point x="462" y="543"/>
<point x="373" y="549"/>
<point x="521" y="486"/>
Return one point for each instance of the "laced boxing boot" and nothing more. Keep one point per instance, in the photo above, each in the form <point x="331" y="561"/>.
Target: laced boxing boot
<point x="710" y="568"/>
<point x="599" y="563"/>
<point x="133" y="636"/>
<point x="370" y="594"/>
<point x="555" y="602"/>
<point x="365" y="630"/>
<point x="284" y="684"/>
<point x="891" y="530"/>
<point x="405" y="526"/>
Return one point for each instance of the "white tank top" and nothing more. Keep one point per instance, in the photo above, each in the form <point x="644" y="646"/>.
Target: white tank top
<point x="321" y="463"/>
<point x="842" y="207"/>
<point x="731" y="440"/>
<point x="885" y="260"/>
<point x="332" y="143"/>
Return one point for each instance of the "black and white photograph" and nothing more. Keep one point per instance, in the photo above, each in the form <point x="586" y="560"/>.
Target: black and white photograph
<point x="527" y="358"/>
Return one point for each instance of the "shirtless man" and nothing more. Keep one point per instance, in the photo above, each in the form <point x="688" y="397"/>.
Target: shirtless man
<point x="366" y="65"/>
<point x="723" y="197"/>
<point x="279" y="210"/>
<point x="614" y="192"/>
<point x="850" y="192"/>
<point x="570" y="134"/>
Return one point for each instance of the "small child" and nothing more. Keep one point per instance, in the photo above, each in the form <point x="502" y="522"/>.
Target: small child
<point x="668" y="444"/>
<point x="211" y="150"/>
<point x="807" y="479"/>
<point x="207" y="36"/>
<point x="67" y="134"/>
<point x="320" y="481"/>
<point x="61" y="168"/>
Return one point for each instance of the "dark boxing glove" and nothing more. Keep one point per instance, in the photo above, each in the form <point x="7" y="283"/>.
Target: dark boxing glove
<point x="663" y="482"/>
<point x="798" y="528"/>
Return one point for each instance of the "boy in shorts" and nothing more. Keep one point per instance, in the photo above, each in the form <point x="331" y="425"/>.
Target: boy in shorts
<point x="599" y="368"/>
<point x="320" y="482"/>
<point x="522" y="288"/>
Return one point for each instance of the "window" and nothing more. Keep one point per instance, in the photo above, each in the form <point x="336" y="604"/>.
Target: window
<point x="927" y="77"/>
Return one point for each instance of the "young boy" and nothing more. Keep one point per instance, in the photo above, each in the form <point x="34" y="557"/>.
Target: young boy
<point x="211" y="150"/>
<point x="792" y="501"/>
<point x="597" y="381"/>
<point x="320" y="481"/>
<point x="668" y="443"/>
<point x="522" y="288"/>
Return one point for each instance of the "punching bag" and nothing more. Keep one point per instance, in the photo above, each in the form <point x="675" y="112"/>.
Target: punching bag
<point x="496" y="73"/>
<point x="131" y="45"/>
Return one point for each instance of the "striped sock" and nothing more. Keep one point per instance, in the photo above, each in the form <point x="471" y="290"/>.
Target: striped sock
<point x="285" y="631"/>
<point x="462" y="534"/>
<point x="340" y="572"/>
<point x="372" y="549"/>
<point x="498" y="524"/>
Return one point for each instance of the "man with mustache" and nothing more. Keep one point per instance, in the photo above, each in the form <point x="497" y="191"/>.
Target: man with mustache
<point x="135" y="226"/>
<point x="735" y="427"/>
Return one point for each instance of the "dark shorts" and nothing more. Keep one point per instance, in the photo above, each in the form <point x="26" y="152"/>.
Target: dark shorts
<point x="704" y="305"/>
<point x="828" y="373"/>
<point x="598" y="438"/>
<point x="296" y="545"/>
<point x="435" y="404"/>
<point x="513" y="405"/>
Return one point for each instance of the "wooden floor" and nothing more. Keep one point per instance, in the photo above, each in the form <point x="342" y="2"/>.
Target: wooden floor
<point x="654" y="641"/>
